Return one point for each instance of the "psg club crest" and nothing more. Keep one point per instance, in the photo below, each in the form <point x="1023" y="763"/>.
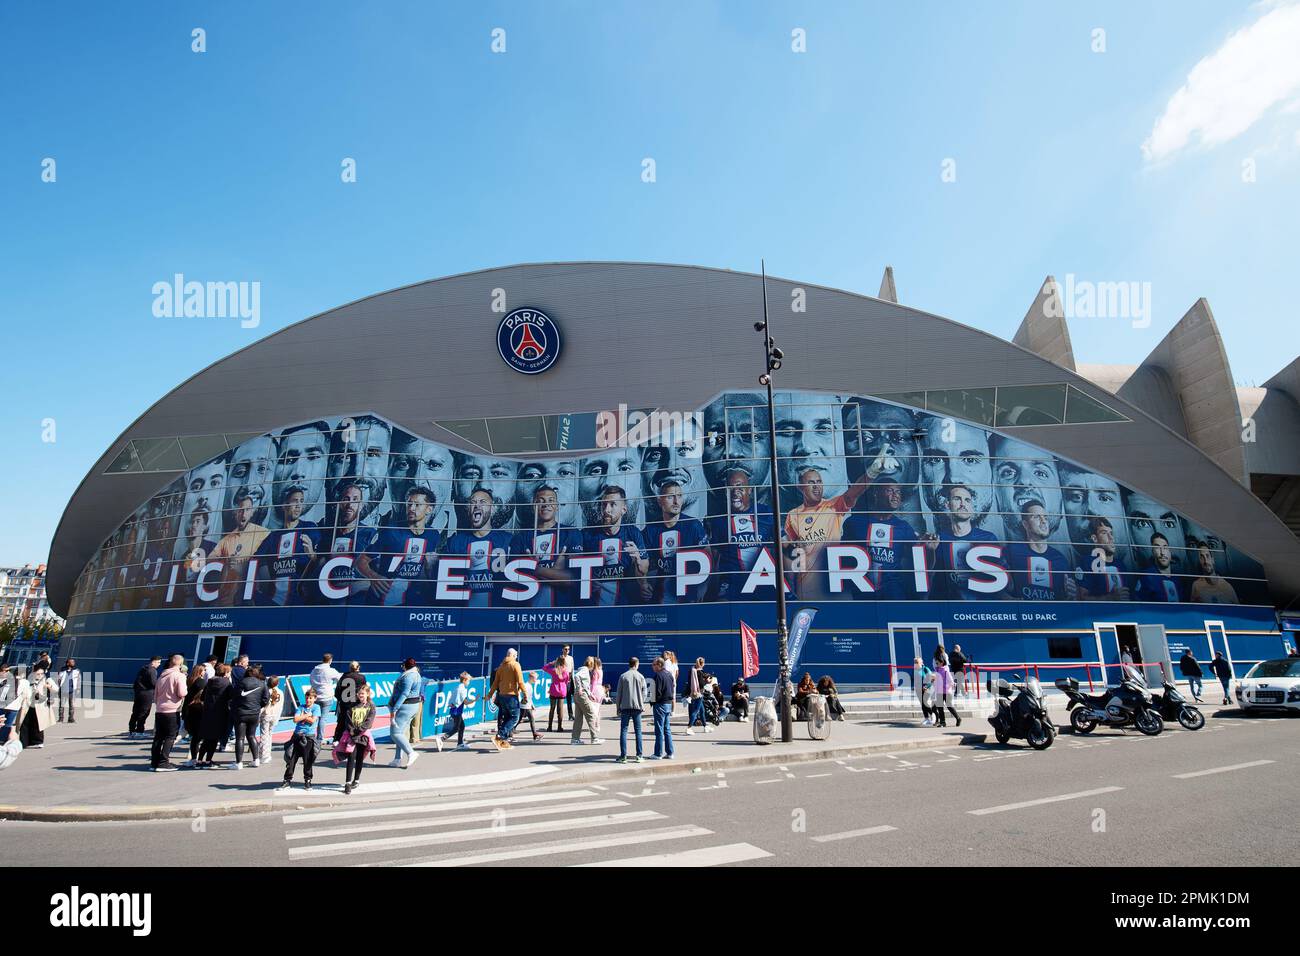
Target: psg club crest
<point x="529" y="341"/>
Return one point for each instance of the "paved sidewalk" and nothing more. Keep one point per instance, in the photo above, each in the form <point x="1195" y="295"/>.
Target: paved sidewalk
<point x="89" y="771"/>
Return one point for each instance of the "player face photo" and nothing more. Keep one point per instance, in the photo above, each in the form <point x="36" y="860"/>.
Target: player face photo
<point x="873" y="428"/>
<point x="808" y="435"/>
<point x="418" y="508"/>
<point x="348" y="510"/>
<point x="417" y="463"/>
<point x="1161" y="557"/>
<point x="1147" y="517"/>
<point x="242" y="513"/>
<point x="359" y="453"/>
<point x="617" y="466"/>
<point x="670" y="501"/>
<point x="1085" y="495"/>
<point x="1035" y="522"/>
<point x="546" y="507"/>
<point x="675" y="457"/>
<point x="740" y="496"/>
<point x="251" y="470"/>
<point x="613" y="508"/>
<point x="561" y="476"/>
<point x="960" y="502"/>
<point x="888" y="497"/>
<point x="494" y="476"/>
<point x="292" y="508"/>
<point x="811" y="486"/>
<point x="1197" y="536"/>
<point x="953" y="452"/>
<point x="301" y="456"/>
<point x="205" y="490"/>
<point x="1021" y="474"/>
<point x="198" y="526"/>
<point x="479" y="509"/>
<point x="736" y="436"/>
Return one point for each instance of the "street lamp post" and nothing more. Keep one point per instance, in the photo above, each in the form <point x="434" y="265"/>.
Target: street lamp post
<point x="772" y="359"/>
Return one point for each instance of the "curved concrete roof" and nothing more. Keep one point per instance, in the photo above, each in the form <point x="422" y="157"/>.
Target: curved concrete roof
<point x="650" y="335"/>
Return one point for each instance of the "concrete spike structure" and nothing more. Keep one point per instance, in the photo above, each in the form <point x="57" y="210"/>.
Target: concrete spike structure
<point x="1043" y="330"/>
<point x="1191" y="365"/>
<point x="888" y="291"/>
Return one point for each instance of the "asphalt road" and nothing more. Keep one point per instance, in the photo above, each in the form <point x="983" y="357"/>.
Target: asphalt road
<point x="1222" y="795"/>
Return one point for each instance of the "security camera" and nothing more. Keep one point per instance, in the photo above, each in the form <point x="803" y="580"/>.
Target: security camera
<point x="764" y="379"/>
<point x="760" y="326"/>
<point x="777" y="353"/>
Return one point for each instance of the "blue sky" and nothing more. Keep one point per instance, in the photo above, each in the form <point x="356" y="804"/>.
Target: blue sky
<point x="225" y="165"/>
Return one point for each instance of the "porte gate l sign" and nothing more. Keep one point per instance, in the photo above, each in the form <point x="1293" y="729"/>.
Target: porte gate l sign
<point x="529" y="341"/>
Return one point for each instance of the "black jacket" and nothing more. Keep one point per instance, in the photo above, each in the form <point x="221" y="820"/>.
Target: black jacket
<point x="1222" y="669"/>
<point x="145" y="680"/>
<point x="248" y="697"/>
<point x="349" y="686"/>
<point x="216" y="709"/>
<point x="956" y="661"/>
<point x="354" y="726"/>
<point x="1189" y="667"/>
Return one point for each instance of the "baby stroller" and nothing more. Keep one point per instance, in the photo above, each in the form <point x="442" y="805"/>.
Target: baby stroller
<point x="712" y="711"/>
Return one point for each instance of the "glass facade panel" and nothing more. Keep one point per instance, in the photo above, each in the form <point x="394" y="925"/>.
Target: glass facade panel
<point x="160" y="454"/>
<point x="972" y="404"/>
<point x="1030" y="405"/>
<point x="513" y="435"/>
<point x="199" y="448"/>
<point x="1080" y="409"/>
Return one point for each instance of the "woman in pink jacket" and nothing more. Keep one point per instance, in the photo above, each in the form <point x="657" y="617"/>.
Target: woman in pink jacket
<point x="943" y="688"/>
<point x="559" y="672"/>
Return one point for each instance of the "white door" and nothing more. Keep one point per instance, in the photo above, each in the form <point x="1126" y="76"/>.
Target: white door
<point x="1156" y="665"/>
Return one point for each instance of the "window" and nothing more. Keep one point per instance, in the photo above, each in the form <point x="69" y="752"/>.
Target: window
<point x="1030" y="405"/>
<point x="1064" y="648"/>
<point x="509" y="435"/>
<point x="972" y="404"/>
<point x="160" y="454"/>
<point x="1081" y="409"/>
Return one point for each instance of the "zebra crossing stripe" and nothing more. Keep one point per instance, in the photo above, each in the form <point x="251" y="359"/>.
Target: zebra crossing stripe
<point x="388" y="826"/>
<point x="564" y="846"/>
<point x="465" y="836"/>
<point x="405" y="809"/>
<point x="701" y="856"/>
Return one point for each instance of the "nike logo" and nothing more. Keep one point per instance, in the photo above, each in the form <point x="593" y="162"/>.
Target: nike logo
<point x="253" y="691"/>
<point x="608" y="639"/>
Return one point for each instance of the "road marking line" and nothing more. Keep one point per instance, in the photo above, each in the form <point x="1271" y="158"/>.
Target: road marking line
<point x="499" y="813"/>
<point x="1235" y="766"/>
<point x="465" y="836"/>
<point x="643" y="793"/>
<point x="814" y="776"/>
<point x="703" y="856"/>
<point x="1034" y="803"/>
<point x="435" y="807"/>
<point x="850" y="834"/>
<point x="774" y="780"/>
<point x="562" y="846"/>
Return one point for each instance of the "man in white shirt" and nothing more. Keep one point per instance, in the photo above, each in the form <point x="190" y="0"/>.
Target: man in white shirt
<point x="69" y="681"/>
<point x="323" y="679"/>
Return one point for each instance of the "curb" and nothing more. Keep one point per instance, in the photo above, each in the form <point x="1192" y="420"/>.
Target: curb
<point x="769" y="757"/>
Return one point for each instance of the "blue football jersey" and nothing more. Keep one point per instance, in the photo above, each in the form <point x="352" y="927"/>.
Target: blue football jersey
<point x="547" y="547"/>
<point x="282" y="561"/>
<point x="1155" y="585"/>
<point x="341" y="543"/>
<point x="951" y="562"/>
<point x="889" y="542"/>
<point x="1035" y="576"/>
<point x="481" y="581"/>
<point x="664" y="543"/>
<point x="402" y="556"/>
<point x="738" y="540"/>
<point x="614" y="580"/>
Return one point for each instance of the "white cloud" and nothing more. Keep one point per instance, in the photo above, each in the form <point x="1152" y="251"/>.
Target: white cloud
<point x="1231" y="89"/>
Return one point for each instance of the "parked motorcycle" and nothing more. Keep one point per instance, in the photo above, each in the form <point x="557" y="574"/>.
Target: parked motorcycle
<point x="1172" y="705"/>
<point x="1020" y="713"/>
<point x="1128" y="705"/>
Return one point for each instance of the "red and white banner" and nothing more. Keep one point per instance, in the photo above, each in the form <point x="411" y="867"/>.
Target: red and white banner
<point x="748" y="651"/>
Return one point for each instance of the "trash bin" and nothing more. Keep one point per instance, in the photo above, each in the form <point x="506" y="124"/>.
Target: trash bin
<point x="766" y="727"/>
<point x="819" y="718"/>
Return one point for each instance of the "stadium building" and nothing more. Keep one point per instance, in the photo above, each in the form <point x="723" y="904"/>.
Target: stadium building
<point x="579" y="453"/>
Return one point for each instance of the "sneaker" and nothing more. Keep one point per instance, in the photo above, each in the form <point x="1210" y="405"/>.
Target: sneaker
<point x="189" y="763"/>
<point x="638" y="759"/>
<point x="668" y="756"/>
<point x="507" y="745"/>
<point x="690" y="731"/>
<point x="40" y="747"/>
<point x="257" y="762"/>
<point x="395" y="762"/>
<point x="347" y="789"/>
<point x="462" y="746"/>
<point x="307" y="785"/>
<point x="236" y="766"/>
<point x="498" y="743"/>
<point x="744" y="720"/>
<point x="620" y="760"/>
<point x="599" y="740"/>
<point x="537" y="736"/>
<point x="410" y="761"/>
<point x="165" y="767"/>
<point x="284" y="787"/>
<point x="959" y="721"/>
<point x="654" y="757"/>
<point x="577" y="741"/>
